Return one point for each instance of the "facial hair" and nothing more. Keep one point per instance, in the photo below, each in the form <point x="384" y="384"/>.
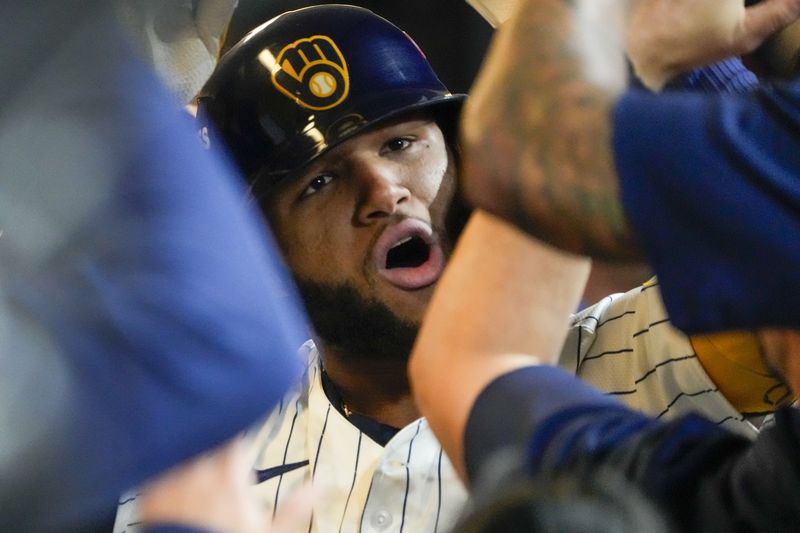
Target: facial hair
<point x="358" y="329"/>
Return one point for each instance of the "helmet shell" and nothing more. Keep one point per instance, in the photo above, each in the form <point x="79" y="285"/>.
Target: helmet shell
<point x="309" y="79"/>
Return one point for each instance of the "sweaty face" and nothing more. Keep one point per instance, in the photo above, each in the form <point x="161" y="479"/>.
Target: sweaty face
<point x="361" y="229"/>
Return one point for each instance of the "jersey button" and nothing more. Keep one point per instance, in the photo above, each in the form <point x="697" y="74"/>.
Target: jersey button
<point x="381" y="520"/>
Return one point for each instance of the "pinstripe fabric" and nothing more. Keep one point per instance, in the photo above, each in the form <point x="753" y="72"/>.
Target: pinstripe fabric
<point x="624" y="344"/>
<point x="406" y="486"/>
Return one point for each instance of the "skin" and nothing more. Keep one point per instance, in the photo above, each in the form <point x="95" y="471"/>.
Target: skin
<point x="527" y="287"/>
<point x="339" y="205"/>
<point x="551" y="146"/>
<point x="665" y="38"/>
<point x="781" y="348"/>
<point x="327" y="221"/>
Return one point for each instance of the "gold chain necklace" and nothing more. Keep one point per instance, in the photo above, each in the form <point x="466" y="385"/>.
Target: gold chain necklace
<point x="347" y="410"/>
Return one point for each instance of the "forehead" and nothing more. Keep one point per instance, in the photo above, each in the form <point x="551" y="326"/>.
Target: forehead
<point x="421" y="124"/>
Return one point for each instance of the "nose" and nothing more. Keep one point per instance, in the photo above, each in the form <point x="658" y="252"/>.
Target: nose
<point x="381" y="191"/>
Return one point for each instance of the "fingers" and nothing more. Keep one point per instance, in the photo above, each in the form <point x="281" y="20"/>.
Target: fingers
<point x="765" y="18"/>
<point x="211" y="19"/>
<point x="212" y="491"/>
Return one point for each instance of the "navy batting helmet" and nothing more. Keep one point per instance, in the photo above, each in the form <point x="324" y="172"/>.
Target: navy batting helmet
<point x="309" y="79"/>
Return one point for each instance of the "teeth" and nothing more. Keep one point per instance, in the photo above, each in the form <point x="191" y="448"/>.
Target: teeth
<point x="398" y="243"/>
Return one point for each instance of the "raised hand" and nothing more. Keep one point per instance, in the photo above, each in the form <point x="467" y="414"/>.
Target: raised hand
<point x="667" y="37"/>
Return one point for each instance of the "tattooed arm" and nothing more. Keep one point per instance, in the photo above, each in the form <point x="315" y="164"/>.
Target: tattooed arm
<point x="537" y="134"/>
<point x="537" y="130"/>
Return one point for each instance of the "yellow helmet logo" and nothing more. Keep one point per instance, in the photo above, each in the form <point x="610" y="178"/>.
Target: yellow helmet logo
<point x="312" y="72"/>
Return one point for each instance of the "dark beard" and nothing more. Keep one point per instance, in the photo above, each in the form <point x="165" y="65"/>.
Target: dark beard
<point x="358" y="329"/>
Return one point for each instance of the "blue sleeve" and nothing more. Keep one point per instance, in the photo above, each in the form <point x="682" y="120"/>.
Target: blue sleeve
<point x="153" y="317"/>
<point x="529" y="397"/>
<point x="700" y="475"/>
<point x="711" y="185"/>
<point x="173" y="528"/>
<point x="726" y="76"/>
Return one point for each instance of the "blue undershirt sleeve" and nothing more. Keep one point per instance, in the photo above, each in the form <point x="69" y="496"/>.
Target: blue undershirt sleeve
<point x="525" y="397"/>
<point x="726" y="76"/>
<point x="173" y="528"/>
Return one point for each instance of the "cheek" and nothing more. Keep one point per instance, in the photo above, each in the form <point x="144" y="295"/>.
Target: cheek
<point x="314" y="246"/>
<point x="309" y="253"/>
<point x="432" y="169"/>
<point x="440" y="187"/>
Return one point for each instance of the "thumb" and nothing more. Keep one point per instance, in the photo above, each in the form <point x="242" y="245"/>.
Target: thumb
<point x="765" y="18"/>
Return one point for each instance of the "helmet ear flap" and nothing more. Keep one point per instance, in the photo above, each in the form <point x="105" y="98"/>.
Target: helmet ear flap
<point x="308" y="80"/>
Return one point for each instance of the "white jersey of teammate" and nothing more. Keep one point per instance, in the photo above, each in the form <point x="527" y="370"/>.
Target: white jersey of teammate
<point x="624" y="345"/>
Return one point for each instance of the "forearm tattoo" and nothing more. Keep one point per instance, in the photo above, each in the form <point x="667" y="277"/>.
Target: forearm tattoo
<point x="548" y="129"/>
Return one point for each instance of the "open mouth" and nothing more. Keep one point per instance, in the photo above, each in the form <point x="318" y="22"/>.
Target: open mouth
<point x="408" y="256"/>
<point x="411" y="252"/>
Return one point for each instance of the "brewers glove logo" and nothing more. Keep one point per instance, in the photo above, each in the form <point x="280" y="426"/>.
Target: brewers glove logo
<point x="312" y="73"/>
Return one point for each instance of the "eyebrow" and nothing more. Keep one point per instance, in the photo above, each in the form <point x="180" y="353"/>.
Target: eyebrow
<point x="334" y="154"/>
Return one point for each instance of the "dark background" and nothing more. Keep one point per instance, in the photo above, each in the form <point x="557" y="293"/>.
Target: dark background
<point x="450" y="32"/>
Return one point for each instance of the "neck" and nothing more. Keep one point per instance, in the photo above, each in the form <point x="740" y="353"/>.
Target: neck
<point x="376" y="389"/>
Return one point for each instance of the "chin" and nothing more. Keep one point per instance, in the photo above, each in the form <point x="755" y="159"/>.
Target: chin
<point x="407" y="305"/>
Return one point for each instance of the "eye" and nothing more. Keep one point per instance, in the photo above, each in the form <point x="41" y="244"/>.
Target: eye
<point x="397" y="144"/>
<point x="316" y="183"/>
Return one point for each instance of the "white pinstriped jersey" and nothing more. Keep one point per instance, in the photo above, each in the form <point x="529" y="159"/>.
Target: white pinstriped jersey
<point x="409" y="485"/>
<point x="624" y="344"/>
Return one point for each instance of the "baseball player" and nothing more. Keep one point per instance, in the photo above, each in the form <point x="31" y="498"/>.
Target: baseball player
<point x="345" y="134"/>
<point x="346" y="138"/>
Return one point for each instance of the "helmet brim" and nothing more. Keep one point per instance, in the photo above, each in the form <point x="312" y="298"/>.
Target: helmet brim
<point x="291" y="158"/>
